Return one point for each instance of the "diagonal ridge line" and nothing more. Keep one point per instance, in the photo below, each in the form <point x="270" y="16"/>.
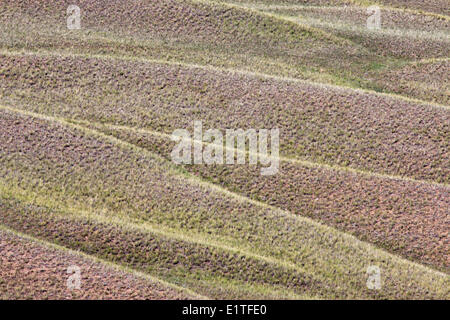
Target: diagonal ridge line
<point x="306" y="163"/>
<point x="46" y="53"/>
<point x="172" y="169"/>
<point x="112" y="265"/>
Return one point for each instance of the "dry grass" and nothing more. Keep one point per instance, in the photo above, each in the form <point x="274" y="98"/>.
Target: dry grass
<point x="33" y="269"/>
<point x="317" y="123"/>
<point x="82" y="174"/>
<point x="85" y="117"/>
<point x="400" y="215"/>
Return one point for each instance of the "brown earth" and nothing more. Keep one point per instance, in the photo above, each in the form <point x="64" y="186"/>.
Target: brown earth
<point x="31" y="270"/>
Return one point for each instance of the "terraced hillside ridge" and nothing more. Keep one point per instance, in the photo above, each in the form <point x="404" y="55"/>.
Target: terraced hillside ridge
<point x="318" y="123"/>
<point x="410" y="203"/>
<point x="202" y="32"/>
<point x="403" y="34"/>
<point x="70" y="187"/>
<point x="421" y="79"/>
<point x="86" y="170"/>
<point x="434" y="6"/>
<point x="406" y="35"/>
<point x="439" y="7"/>
<point x="402" y="216"/>
<point x="35" y="270"/>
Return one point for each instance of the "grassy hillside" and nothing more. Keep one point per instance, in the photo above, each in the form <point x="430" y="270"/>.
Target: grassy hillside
<point x="406" y="37"/>
<point x="439" y="7"/>
<point x="422" y="36"/>
<point x="322" y="124"/>
<point x="182" y="230"/>
<point x="86" y="176"/>
<point x="206" y="33"/>
<point x="401" y="215"/>
<point x="28" y="257"/>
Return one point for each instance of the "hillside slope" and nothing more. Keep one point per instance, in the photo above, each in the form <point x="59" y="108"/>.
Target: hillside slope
<point x="40" y="271"/>
<point x="120" y="203"/>
<point x="87" y="177"/>
<point x="205" y="33"/>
